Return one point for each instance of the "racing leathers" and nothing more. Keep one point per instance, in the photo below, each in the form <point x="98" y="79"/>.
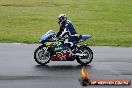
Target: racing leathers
<point x="67" y="28"/>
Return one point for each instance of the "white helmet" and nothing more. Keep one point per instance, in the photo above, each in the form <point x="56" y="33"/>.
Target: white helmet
<point x="62" y="18"/>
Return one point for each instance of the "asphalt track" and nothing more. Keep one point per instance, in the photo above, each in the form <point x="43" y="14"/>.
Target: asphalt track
<point x="19" y="70"/>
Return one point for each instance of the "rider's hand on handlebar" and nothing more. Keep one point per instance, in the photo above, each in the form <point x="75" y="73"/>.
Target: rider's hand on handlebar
<point x="61" y="38"/>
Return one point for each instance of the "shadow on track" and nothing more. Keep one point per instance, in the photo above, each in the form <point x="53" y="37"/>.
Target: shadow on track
<point x="61" y="67"/>
<point x="61" y="71"/>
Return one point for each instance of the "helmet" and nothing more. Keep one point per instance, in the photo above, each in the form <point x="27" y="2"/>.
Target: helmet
<point x="62" y="18"/>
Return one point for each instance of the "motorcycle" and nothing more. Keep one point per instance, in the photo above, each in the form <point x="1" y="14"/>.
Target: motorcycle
<point x="53" y="48"/>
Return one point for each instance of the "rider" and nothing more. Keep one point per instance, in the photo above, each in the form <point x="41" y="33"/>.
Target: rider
<point x="67" y="28"/>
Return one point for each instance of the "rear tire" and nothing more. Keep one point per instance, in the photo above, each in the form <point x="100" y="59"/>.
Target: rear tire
<point x="88" y="58"/>
<point x="42" y="55"/>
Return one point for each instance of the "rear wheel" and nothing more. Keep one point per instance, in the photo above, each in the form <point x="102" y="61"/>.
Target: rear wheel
<point x="87" y="55"/>
<point x="42" y="55"/>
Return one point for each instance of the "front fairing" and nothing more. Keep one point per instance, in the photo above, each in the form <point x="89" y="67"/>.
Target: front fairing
<point x="45" y="38"/>
<point x="59" y="51"/>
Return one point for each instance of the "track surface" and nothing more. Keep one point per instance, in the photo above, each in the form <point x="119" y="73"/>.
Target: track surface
<point x="19" y="70"/>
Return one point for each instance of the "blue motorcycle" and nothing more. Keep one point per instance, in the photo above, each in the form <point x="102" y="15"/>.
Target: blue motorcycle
<point x="54" y="49"/>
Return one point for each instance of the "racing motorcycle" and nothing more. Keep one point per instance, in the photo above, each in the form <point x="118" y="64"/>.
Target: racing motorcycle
<point x="53" y="48"/>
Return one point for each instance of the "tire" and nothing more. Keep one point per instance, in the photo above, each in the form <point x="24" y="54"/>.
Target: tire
<point x="42" y="53"/>
<point x="89" y="58"/>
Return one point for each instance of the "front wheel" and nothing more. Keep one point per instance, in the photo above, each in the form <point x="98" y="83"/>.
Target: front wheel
<point x="42" y="55"/>
<point x="87" y="55"/>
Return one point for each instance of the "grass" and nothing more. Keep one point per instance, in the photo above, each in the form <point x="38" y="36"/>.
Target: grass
<point x="108" y="21"/>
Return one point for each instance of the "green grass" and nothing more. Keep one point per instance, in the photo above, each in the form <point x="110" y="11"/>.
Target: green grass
<point x="108" y="21"/>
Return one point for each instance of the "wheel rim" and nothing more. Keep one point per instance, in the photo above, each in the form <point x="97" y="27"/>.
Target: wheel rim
<point x="88" y="56"/>
<point x="43" y="55"/>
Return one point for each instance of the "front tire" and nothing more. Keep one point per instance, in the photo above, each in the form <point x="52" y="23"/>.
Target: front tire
<point x="85" y="60"/>
<point x="42" y="55"/>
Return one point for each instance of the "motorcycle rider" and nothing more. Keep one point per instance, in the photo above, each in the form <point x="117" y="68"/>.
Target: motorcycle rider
<point x="67" y="28"/>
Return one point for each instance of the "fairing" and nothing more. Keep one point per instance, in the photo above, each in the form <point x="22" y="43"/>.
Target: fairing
<point x="44" y="38"/>
<point x="59" y="51"/>
<point x="84" y="37"/>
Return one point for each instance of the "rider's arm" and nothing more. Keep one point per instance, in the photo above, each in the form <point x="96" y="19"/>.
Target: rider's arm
<point x="65" y="31"/>
<point x="59" y="33"/>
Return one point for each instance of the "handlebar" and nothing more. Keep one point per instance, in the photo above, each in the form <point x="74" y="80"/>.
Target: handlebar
<point x="62" y="38"/>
